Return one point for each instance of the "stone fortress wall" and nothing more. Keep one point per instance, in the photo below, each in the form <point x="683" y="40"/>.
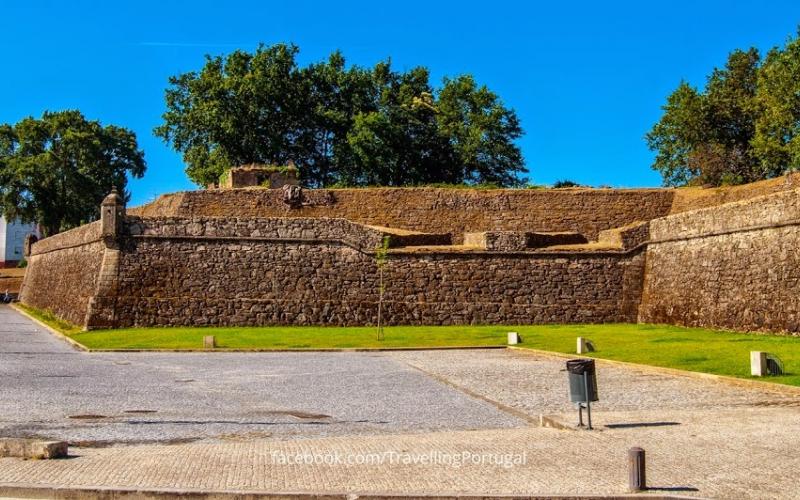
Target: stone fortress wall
<point x="241" y="279"/>
<point x="63" y="271"/>
<point x="456" y="256"/>
<point x="433" y="210"/>
<point x="733" y="266"/>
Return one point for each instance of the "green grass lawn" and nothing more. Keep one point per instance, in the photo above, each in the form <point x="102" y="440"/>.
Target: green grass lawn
<point x="291" y="337"/>
<point x="693" y="349"/>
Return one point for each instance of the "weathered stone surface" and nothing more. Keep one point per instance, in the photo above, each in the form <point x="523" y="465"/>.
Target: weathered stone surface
<point x="434" y="210"/>
<point x="268" y="176"/>
<point x="626" y="237"/>
<point x="63" y="272"/>
<point x="695" y="198"/>
<point x="733" y="266"/>
<point x="516" y="241"/>
<point x="168" y="281"/>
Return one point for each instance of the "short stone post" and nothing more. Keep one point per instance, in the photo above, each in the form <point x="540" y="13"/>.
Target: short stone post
<point x="637" y="480"/>
<point x="209" y="342"/>
<point x="583" y="346"/>
<point x="758" y="363"/>
<point x="514" y="338"/>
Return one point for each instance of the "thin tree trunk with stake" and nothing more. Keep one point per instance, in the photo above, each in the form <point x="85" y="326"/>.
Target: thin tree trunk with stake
<point x="380" y="260"/>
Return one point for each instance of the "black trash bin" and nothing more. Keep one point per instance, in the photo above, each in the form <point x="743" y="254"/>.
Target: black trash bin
<point x="577" y="386"/>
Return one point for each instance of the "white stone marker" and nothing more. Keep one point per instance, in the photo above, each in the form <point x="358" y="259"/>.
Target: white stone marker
<point x="758" y="364"/>
<point x="513" y="338"/>
<point x="582" y="348"/>
<point x="209" y="342"/>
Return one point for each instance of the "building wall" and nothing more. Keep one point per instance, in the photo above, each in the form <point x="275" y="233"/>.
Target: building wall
<point x="733" y="266"/>
<point x="12" y="238"/>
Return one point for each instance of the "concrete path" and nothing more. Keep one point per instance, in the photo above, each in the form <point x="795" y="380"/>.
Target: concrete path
<point x="441" y="422"/>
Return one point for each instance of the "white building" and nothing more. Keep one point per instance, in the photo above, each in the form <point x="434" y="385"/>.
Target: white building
<point x="12" y="238"/>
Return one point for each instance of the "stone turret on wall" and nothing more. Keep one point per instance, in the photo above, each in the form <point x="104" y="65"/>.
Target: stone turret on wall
<point x="101" y="312"/>
<point x="259" y="175"/>
<point x="112" y="212"/>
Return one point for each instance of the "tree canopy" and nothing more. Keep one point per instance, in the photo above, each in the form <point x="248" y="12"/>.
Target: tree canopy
<point x="742" y="127"/>
<point x="339" y="124"/>
<point x="57" y="169"/>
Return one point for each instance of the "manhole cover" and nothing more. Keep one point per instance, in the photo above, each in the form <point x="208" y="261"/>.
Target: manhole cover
<point x="87" y="416"/>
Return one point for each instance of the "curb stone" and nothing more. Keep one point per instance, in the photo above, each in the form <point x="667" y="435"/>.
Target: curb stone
<point x="32" y="448"/>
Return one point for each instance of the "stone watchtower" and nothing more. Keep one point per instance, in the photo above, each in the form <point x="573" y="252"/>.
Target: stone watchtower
<point x="112" y="212"/>
<point x="101" y="312"/>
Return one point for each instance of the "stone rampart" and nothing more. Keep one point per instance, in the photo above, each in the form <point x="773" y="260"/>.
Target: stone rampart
<point x="434" y="210"/>
<point x="207" y="280"/>
<point x="734" y="266"/>
<point x="186" y="260"/>
<point x="63" y="272"/>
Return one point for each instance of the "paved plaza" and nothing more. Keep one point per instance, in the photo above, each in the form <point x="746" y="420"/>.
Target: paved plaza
<point x="52" y="391"/>
<point x="460" y="422"/>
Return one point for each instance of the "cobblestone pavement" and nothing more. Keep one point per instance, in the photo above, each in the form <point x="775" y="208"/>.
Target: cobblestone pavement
<point x="49" y="390"/>
<point x="394" y="410"/>
<point x="535" y="384"/>
<point x="734" y="457"/>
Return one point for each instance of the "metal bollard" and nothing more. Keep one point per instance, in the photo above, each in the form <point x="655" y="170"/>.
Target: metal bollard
<point x="637" y="480"/>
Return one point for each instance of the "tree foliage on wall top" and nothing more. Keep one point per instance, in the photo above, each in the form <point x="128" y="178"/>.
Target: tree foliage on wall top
<point x="340" y="124"/>
<point x="742" y="127"/>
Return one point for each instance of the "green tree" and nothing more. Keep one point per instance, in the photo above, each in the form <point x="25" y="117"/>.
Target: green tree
<point x="705" y="137"/>
<point x="399" y="142"/>
<point x="340" y="125"/>
<point x="56" y="170"/>
<point x="236" y="110"/>
<point x="482" y="131"/>
<point x="777" y="137"/>
<point x="337" y="95"/>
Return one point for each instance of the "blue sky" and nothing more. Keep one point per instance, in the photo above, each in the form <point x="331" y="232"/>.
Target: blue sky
<point x="586" y="78"/>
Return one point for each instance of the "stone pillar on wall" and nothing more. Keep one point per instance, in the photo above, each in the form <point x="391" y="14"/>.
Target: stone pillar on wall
<point x="112" y="212"/>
